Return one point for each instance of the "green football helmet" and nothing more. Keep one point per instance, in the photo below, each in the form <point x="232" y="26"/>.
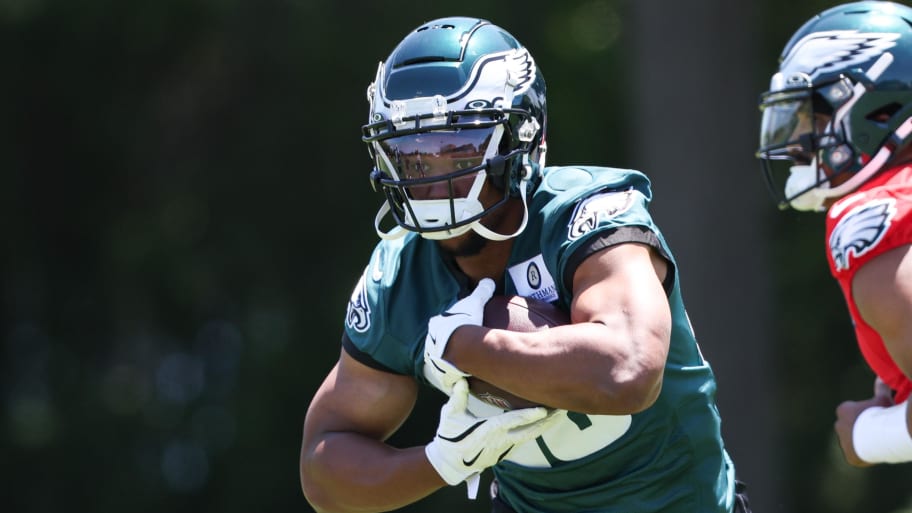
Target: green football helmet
<point x="840" y="105"/>
<point x="459" y="102"/>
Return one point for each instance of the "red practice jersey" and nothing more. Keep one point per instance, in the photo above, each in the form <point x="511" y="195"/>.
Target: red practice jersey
<point x="859" y="227"/>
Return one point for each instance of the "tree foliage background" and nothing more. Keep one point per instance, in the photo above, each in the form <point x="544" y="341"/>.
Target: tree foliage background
<point x="185" y="209"/>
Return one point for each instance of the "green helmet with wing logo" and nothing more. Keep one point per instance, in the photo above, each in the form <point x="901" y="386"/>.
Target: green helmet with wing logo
<point x="458" y="103"/>
<point x="840" y="105"/>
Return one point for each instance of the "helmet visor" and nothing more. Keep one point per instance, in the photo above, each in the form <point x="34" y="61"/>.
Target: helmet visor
<point x="786" y="118"/>
<point x="437" y="164"/>
<point x="436" y="154"/>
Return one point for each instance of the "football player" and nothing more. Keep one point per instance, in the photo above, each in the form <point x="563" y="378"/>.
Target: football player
<point x="456" y="132"/>
<point x="835" y="138"/>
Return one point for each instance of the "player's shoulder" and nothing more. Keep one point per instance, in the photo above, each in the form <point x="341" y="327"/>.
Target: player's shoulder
<point x="405" y="262"/>
<point x="579" y="181"/>
<point x="377" y="280"/>
<point x="891" y="193"/>
<point x="401" y="286"/>
<point x="386" y="259"/>
<point x="586" y="196"/>
<point x="879" y="204"/>
<point x="867" y="223"/>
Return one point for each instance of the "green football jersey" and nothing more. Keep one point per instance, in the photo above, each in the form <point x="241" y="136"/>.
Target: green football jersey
<point x="669" y="458"/>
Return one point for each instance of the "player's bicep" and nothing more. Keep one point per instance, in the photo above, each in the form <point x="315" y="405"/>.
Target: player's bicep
<point x="357" y="398"/>
<point x="620" y="288"/>
<point x="622" y="282"/>
<point x="882" y="291"/>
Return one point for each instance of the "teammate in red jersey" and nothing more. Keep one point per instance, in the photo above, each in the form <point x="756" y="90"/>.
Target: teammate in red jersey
<point x="836" y="136"/>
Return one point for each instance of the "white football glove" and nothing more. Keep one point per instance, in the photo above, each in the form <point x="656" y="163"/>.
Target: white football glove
<point x="465" y="445"/>
<point x="468" y="310"/>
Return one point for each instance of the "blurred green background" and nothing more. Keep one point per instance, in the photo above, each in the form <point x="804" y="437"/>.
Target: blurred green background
<point x="185" y="210"/>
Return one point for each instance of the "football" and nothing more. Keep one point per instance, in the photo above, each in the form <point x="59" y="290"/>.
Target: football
<point x="515" y="313"/>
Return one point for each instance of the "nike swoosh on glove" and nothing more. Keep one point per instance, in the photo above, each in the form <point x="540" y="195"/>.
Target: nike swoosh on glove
<point x="468" y="310"/>
<point x="465" y="445"/>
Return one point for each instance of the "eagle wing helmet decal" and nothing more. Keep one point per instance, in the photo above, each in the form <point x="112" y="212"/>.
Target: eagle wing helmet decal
<point x="826" y="51"/>
<point x="860" y="231"/>
<point x="503" y="75"/>
<point x="521" y="69"/>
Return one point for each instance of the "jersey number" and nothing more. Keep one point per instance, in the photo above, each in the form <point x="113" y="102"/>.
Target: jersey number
<point x="573" y="437"/>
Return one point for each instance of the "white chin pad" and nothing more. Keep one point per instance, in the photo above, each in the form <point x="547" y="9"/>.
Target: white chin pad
<point x="804" y="178"/>
<point x="447" y="234"/>
<point x="436" y="214"/>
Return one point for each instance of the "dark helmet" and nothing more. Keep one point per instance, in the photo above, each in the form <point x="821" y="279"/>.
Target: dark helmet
<point x="458" y="101"/>
<point x="840" y="105"/>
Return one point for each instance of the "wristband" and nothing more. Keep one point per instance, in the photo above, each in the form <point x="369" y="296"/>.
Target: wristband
<point x="880" y="435"/>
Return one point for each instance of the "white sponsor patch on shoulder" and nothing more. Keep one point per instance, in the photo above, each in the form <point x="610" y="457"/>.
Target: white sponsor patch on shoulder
<point x="532" y="279"/>
<point x="860" y="231"/>
<point x="597" y="208"/>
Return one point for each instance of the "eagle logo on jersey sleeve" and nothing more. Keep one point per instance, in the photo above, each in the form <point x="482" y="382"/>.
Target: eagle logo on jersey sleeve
<point x="597" y="208"/>
<point x="860" y="230"/>
<point x="358" y="315"/>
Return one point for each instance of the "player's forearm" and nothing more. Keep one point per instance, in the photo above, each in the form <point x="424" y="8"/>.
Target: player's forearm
<point x="348" y="473"/>
<point x="582" y="367"/>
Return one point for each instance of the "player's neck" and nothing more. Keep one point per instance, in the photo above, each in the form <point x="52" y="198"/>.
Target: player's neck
<point x="491" y="261"/>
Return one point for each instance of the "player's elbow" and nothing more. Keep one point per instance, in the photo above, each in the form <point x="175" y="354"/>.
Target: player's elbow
<point x="630" y="391"/>
<point x="320" y="501"/>
<point x="318" y="505"/>
<point x="314" y="492"/>
<point x="643" y="392"/>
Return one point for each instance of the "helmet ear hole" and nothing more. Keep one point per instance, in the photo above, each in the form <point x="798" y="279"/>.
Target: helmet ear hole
<point x="821" y="105"/>
<point x="884" y="113"/>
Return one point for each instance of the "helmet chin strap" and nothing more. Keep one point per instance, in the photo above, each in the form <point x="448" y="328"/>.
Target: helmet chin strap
<point x="804" y="177"/>
<point x="395" y="232"/>
<point x="874" y="165"/>
<point x="489" y="234"/>
<point x="814" y="197"/>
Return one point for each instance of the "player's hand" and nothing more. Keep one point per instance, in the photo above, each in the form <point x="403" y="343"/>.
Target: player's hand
<point x="465" y="445"/>
<point x="469" y="310"/>
<point x="846" y="415"/>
